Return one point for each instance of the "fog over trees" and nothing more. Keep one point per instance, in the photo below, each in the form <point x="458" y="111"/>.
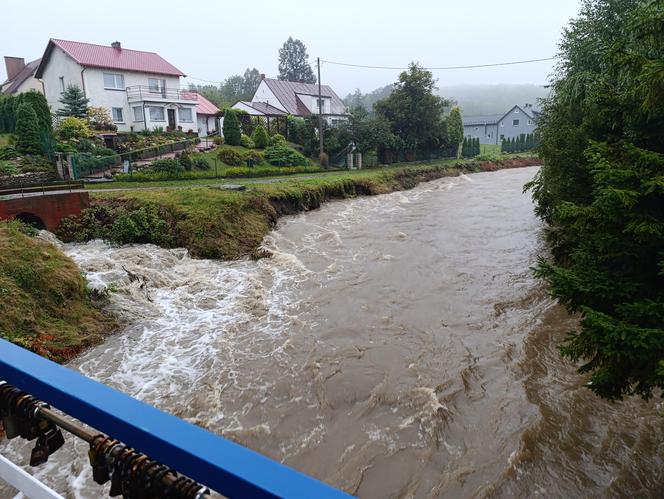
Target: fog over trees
<point x="472" y="99"/>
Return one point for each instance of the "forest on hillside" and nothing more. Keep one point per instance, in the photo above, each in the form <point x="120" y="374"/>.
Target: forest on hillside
<point x="472" y="99"/>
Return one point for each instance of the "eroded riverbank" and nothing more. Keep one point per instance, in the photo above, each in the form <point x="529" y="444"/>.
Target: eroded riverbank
<point x="393" y="346"/>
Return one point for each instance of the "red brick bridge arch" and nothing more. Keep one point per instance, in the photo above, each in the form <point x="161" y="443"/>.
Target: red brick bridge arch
<point x="44" y="211"/>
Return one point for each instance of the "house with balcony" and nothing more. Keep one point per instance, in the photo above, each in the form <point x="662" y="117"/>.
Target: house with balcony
<point x="275" y="98"/>
<point x="141" y="90"/>
<point x="492" y="129"/>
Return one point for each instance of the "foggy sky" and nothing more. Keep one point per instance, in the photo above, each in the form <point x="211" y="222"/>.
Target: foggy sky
<point x="212" y="40"/>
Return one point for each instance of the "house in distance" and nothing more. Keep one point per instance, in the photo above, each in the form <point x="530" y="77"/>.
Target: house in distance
<point x="492" y="129"/>
<point x="275" y="98"/>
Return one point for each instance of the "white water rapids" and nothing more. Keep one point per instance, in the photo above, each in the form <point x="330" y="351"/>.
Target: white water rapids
<point x="393" y="346"/>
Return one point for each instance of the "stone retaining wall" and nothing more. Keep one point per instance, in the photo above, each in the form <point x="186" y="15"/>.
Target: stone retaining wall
<point x="26" y="179"/>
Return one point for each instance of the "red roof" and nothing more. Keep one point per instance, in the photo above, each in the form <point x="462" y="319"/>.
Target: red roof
<point x="204" y="106"/>
<point x="101" y="56"/>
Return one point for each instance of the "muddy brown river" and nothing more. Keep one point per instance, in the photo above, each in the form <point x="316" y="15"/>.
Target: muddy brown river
<point x="393" y="346"/>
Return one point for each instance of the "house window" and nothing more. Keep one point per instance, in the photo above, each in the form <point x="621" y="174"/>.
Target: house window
<point x="502" y="123"/>
<point x="114" y="81"/>
<point x="477" y="128"/>
<point x="157" y="114"/>
<point x="185" y="115"/>
<point x="516" y="111"/>
<point x="530" y="122"/>
<point x="515" y="122"/>
<point x="62" y="84"/>
<point x="502" y="137"/>
<point x="156" y="85"/>
<point x="138" y="113"/>
<point x="117" y="114"/>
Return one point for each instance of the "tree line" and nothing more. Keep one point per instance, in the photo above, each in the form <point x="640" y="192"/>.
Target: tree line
<point x="601" y="191"/>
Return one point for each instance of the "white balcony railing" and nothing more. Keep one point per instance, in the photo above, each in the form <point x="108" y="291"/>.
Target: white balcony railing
<point x="147" y="93"/>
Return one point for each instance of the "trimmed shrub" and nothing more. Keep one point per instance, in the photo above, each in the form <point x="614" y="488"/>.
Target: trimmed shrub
<point x="185" y="161"/>
<point x="8" y="152"/>
<point x="8" y="168"/>
<point x="39" y="103"/>
<point x="27" y="130"/>
<point x="200" y="163"/>
<point x="245" y="141"/>
<point x="170" y="166"/>
<point x="282" y="155"/>
<point x="104" y="151"/>
<point x="230" y="156"/>
<point x="232" y="132"/>
<point x="73" y="128"/>
<point x="255" y="156"/>
<point x="261" y="137"/>
<point x="277" y="138"/>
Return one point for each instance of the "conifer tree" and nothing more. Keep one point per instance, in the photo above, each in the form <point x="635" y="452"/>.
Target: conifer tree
<point x="260" y="137"/>
<point x="27" y="130"/>
<point x="231" y="128"/>
<point x="74" y="102"/>
<point x="39" y="104"/>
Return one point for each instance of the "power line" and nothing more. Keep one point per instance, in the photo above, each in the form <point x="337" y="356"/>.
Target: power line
<point x="442" y="67"/>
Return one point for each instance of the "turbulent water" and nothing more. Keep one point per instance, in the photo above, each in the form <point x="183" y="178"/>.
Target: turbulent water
<point x="393" y="346"/>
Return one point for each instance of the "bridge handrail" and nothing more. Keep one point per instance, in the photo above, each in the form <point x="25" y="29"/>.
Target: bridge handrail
<point x="222" y="465"/>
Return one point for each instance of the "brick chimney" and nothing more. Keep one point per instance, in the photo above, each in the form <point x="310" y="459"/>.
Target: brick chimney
<point x="116" y="45"/>
<point x="262" y="76"/>
<point x="14" y="65"/>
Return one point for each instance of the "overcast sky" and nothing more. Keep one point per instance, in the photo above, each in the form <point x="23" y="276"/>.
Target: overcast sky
<point x="212" y="40"/>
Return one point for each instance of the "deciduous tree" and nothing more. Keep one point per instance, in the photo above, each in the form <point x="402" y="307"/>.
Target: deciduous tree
<point x="294" y="62"/>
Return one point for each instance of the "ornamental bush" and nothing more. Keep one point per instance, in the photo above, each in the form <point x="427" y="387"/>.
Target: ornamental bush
<point x="231" y="128"/>
<point x="282" y="155"/>
<point x="170" y="166"/>
<point x="277" y="138"/>
<point x="260" y="137"/>
<point x="245" y="141"/>
<point x="73" y="128"/>
<point x="8" y="152"/>
<point x="27" y="130"/>
<point x="255" y="156"/>
<point x="230" y="156"/>
<point x="185" y="161"/>
<point x="200" y="163"/>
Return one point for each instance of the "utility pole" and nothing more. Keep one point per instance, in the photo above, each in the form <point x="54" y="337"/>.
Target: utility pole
<point x="320" y="111"/>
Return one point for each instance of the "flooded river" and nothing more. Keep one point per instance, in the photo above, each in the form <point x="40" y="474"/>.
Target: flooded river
<point x="393" y="346"/>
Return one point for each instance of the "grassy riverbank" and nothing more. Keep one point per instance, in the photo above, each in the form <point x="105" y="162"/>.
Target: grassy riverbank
<point x="44" y="302"/>
<point x="222" y="224"/>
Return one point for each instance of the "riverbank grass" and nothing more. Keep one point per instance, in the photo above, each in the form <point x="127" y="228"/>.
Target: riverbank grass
<point x="217" y="223"/>
<point x="44" y="303"/>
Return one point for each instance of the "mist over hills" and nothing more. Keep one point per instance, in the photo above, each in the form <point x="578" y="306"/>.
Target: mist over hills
<point x="472" y="99"/>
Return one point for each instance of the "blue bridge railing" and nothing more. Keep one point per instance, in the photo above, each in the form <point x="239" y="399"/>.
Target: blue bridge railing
<point x="214" y="461"/>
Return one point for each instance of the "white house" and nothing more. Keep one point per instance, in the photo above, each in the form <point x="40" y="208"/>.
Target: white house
<point x="278" y="97"/>
<point x="140" y="89"/>
<point x="20" y="76"/>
